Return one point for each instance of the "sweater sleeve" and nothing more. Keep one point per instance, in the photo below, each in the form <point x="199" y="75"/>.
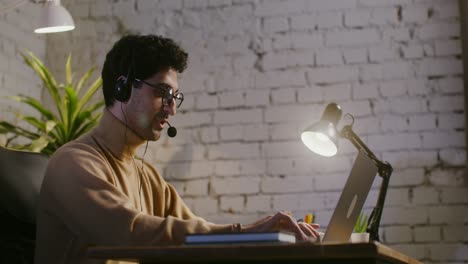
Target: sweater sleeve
<point x="77" y="191"/>
<point x="175" y="206"/>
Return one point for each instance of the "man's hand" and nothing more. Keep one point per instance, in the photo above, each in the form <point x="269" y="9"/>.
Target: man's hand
<point x="284" y="222"/>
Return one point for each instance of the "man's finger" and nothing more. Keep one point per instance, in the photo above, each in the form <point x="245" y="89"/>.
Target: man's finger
<point x="311" y="231"/>
<point x="314" y="225"/>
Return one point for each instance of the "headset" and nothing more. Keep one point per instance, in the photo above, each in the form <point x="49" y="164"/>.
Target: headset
<point x="123" y="85"/>
<point x="123" y="89"/>
<point x="122" y="92"/>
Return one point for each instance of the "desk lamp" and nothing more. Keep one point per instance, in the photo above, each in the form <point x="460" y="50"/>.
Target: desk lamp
<point x="322" y="138"/>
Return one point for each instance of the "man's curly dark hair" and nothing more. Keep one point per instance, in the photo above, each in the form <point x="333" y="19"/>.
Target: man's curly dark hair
<point x="140" y="56"/>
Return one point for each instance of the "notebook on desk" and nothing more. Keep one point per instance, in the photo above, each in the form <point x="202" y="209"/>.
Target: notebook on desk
<point x="351" y="200"/>
<point x="230" y="238"/>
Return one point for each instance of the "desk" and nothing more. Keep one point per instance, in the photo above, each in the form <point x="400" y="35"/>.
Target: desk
<point x="301" y="253"/>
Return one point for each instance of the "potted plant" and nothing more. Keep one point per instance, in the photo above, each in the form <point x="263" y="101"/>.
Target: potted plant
<point x="360" y="229"/>
<point x="73" y="113"/>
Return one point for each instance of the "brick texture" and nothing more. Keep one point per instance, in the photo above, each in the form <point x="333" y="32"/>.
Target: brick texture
<point x="16" y="37"/>
<point x="262" y="71"/>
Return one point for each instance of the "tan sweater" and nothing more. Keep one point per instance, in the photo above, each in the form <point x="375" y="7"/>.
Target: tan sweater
<point x="90" y="197"/>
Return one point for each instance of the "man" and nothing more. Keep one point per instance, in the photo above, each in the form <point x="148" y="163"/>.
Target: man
<point x="96" y="193"/>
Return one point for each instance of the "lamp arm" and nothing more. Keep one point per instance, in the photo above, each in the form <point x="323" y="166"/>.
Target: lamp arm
<point x="385" y="171"/>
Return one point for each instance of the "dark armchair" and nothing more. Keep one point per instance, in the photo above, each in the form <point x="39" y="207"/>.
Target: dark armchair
<point x="21" y="175"/>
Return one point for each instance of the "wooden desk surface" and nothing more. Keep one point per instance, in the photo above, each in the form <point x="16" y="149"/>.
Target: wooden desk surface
<point x="256" y="253"/>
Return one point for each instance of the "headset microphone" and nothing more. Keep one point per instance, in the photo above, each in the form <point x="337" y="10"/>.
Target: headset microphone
<point x="171" y="131"/>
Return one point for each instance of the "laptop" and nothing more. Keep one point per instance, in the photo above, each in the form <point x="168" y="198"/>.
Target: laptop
<point x="351" y="201"/>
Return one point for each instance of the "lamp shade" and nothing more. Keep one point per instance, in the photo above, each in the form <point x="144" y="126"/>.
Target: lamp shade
<point x="322" y="137"/>
<point x="55" y="18"/>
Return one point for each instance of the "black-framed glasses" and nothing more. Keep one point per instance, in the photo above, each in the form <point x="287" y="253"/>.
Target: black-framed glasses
<point x="168" y="96"/>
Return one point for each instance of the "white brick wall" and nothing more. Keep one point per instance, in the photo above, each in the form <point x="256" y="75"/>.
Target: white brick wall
<point x="258" y="203"/>
<point x="449" y="252"/>
<point x="238" y="185"/>
<point x="352" y="37"/>
<point x="261" y="71"/>
<point x="427" y="234"/>
<point x="17" y="36"/>
<point x="398" y="234"/>
<point x="455" y="233"/>
<point x="232" y="204"/>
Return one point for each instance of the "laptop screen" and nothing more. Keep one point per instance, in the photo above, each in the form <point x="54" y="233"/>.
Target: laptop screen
<point x="352" y="200"/>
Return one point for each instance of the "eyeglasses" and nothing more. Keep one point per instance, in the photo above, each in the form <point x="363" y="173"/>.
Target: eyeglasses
<point x="168" y="96"/>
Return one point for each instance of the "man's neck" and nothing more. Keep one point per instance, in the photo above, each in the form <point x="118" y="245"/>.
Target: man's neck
<point x="118" y="137"/>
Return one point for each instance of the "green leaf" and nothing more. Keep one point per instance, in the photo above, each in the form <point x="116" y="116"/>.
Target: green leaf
<point x="48" y="80"/>
<point x="34" y="104"/>
<point x="94" y="107"/>
<point x="68" y="72"/>
<point x="61" y="132"/>
<point x="89" y="93"/>
<point x="88" y="125"/>
<point x="55" y="128"/>
<point x="49" y="125"/>
<point x="84" y="79"/>
<point x="361" y="223"/>
<point x="49" y="149"/>
<point x="81" y="119"/>
<point x="38" y="144"/>
<point x="18" y="130"/>
<point x="34" y="122"/>
<point x="45" y="75"/>
<point x="71" y="106"/>
<point x="7" y="125"/>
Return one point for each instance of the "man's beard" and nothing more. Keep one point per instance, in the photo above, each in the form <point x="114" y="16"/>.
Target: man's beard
<point x="144" y="121"/>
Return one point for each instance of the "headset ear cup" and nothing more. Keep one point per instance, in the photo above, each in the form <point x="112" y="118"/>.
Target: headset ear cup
<point x="122" y="90"/>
